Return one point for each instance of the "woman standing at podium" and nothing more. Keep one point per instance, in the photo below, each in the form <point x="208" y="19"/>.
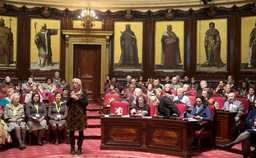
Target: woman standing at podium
<point x="77" y="119"/>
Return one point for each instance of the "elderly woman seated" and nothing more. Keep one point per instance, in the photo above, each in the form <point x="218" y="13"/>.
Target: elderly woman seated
<point x="15" y="118"/>
<point x="57" y="114"/>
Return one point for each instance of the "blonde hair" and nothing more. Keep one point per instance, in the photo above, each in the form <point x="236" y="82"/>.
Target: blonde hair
<point x="9" y="89"/>
<point x="78" y="81"/>
<point x="152" y="99"/>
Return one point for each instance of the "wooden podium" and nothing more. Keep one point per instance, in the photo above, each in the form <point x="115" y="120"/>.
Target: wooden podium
<point x="164" y="136"/>
<point x="225" y="121"/>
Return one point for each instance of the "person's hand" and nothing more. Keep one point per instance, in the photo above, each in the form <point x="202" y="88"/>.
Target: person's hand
<point x="19" y="120"/>
<point x="133" y="111"/>
<point x="56" y="119"/>
<point x="254" y="124"/>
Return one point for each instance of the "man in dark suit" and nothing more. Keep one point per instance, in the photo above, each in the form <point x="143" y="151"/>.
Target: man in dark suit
<point x="165" y="105"/>
<point x="234" y="105"/>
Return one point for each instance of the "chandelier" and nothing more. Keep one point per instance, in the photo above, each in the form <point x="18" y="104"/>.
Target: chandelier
<point x="87" y="17"/>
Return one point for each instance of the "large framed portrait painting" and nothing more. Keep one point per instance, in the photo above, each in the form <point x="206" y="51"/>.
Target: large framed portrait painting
<point x="128" y="38"/>
<point x="8" y="41"/>
<point x="211" y="45"/>
<point x="44" y="44"/>
<point x="169" y="45"/>
<point x="248" y="43"/>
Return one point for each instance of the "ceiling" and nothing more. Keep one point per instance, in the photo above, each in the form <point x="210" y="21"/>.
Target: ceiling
<point x="114" y="5"/>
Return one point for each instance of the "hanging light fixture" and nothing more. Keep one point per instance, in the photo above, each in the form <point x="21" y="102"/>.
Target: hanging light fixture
<point x="87" y="17"/>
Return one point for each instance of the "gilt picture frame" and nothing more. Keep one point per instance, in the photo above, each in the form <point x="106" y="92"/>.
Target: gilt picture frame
<point x="45" y="45"/>
<point x="128" y="48"/>
<point x="169" y="45"/>
<point x="211" y="45"/>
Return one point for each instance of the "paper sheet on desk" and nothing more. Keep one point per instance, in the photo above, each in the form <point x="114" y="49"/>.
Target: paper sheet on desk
<point x="190" y="119"/>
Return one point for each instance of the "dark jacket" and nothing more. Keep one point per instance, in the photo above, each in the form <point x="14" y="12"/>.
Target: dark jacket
<point x="167" y="108"/>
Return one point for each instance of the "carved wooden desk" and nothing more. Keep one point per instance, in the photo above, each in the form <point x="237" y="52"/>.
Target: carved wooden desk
<point x="225" y="121"/>
<point x="171" y="137"/>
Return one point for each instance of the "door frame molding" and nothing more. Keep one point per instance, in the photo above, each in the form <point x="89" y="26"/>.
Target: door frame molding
<point x="73" y="37"/>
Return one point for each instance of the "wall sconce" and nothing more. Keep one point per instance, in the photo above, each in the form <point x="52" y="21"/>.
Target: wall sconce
<point x="87" y="17"/>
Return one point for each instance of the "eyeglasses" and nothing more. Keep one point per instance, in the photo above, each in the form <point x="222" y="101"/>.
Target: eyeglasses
<point x="198" y="101"/>
<point x="140" y="100"/>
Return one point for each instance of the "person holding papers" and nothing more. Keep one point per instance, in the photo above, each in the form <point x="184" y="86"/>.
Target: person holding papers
<point x="36" y="113"/>
<point x="201" y="111"/>
<point x="57" y="114"/>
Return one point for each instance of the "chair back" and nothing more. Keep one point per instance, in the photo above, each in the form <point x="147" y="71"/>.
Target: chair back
<point x="193" y="92"/>
<point x="108" y="98"/>
<point x="27" y="90"/>
<point x="59" y="89"/>
<point x="192" y="100"/>
<point x="174" y="92"/>
<point x="51" y="98"/>
<point x="22" y="99"/>
<point x="119" y="107"/>
<point x="220" y="100"/>
<point x="245" y="102"/>
<point x="182" y="108"/>
<point x="212" y="110"/>
<point x="4" y="90"/>
<point x="2" y="96"/>
<point x="152" y="109"/>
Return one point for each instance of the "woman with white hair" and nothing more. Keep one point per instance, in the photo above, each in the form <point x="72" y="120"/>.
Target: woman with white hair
<point x="77" y="119"/>
<point x="137" y="92"/>
<point x="14" y="116"/>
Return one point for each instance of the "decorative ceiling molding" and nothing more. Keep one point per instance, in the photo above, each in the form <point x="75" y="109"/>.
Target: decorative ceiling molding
<point x="115" y="5"/>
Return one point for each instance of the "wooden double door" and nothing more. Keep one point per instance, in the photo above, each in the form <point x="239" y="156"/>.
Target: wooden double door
<point x="87" y="67"/>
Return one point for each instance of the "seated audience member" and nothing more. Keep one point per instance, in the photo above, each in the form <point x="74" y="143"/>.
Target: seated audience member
<point x="4" y="134"/>
<point x="63" y="84"/>
<point x="14" y="116"/>
<point x="219" y="90"/>
<point x="30" y="84"/>
<point x="167" y="80"/>
<point x="28" y="97"/>
<point x="128" y="81"/>
<point x="175" y="83"/>
<point x="140" y="82"/>
<point x="113" y="81"/>
<point x="54" y="89"/>
<point x="129" y="92"/>
<point x="7" y="82"/>
<point x="206" y="93"/>
<point x="57" y="114"/>
<point x="150" y="80"/>
<point x="56" y="78"/>
<point x="244" y="89"/>
<point x="167" y="90"/>
<point x="133" y="82"/>
<point x="203" y="85"/>
<point x="36" y="113"/>
<point x="201" y="111"/>
<point x="17" y="89"/>
<point x="47" y="85"/>
<point x="141" y="106"/>
<point x="112" y="89"/>
<point x="251" y="95"/>
<point x="227" y="89"/>
<point x="106" y="80"/>
<point x="179" y="80"/>
<point x="181" y="97"/>
<point x="65" y="95"/>
<point x="232" y="82"/>
<point x="234" y="105"/>
<point x="186" y="80"/>
<point x="193" y="85"/>
<point x="249" y="136"/>
<point x="40" y="91"/>
<point x="132" y="100"/>
<point x="186" y="89"/>
<point x="165" y="105"/>
<point x="156" y="84"/>
<point x="149" y="91"/>
<point x="6" y="100"/>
